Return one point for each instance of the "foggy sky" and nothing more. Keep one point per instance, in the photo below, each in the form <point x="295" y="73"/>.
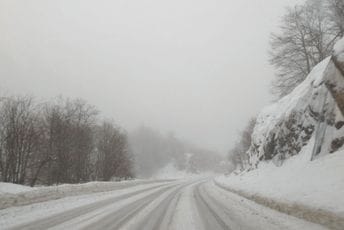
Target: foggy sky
<point x="198" y="68"/>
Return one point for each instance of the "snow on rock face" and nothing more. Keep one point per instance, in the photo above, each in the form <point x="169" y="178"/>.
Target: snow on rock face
<point x="335" y="74"/>
<point x="314" y="108"/>
<point x="339" y="48"/>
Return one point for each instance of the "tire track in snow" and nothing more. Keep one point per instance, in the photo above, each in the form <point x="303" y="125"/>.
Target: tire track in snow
<point x="161" y="216"/>
<point x="60" y="218"/>
<point x="118" y="218"/>
<point x="210" y="217"/>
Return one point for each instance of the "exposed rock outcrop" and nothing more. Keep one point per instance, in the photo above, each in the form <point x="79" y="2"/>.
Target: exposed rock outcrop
<point x="314" y="108"/>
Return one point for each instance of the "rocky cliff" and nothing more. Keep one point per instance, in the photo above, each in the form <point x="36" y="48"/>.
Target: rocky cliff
<point x="313" y="110"/>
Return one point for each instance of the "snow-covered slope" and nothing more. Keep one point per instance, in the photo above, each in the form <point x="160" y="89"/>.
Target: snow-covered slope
<point x="17" y="195"/>
<point x="311" y="190"/>
<point x="296" y="158"/>
<point x="317" y="184"/>
<point x="312" y="109"/>
<point x="9" y="188"/>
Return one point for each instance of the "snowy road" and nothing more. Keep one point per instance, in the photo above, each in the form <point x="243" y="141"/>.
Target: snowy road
<point x="183" y="204"/>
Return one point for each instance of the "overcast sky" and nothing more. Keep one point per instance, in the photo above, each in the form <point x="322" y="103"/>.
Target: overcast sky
<point x="198" y="68"/>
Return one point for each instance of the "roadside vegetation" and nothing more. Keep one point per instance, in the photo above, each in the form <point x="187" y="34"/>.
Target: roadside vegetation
<point x="59" y="141"/>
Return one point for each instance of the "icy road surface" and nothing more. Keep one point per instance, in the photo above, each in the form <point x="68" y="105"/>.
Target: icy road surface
<point x="183" y="204"/>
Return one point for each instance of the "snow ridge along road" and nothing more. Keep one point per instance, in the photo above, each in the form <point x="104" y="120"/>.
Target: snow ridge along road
<point x="183" y="204"/>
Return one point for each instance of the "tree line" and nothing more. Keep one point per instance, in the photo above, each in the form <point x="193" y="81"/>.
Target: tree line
<point x="238" y="154"/>
<point x="59" y="141"/>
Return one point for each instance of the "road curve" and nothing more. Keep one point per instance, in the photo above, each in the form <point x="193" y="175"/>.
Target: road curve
<point x="183" y="204"/>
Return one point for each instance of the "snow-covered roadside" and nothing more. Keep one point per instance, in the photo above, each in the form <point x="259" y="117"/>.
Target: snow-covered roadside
<point x="17" y="195"/>
<point x="9" y="188"/>
<point x="15" y="216"/>
<point x="297" y="187"/>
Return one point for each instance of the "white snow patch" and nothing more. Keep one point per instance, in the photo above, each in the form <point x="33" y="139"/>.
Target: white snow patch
<point x="339" y="47"/>
<point x="318" y="183"/>
<point x="9" y="188"/>
<point x="16" y="195"/>
<point x="15" y="216"/>
<point x="272" y="114"/>
<point x="338" y="50"/>
<point x="260" y="217"/>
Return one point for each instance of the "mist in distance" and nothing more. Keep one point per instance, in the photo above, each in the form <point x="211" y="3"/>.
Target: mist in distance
<point x="198" y="69"/>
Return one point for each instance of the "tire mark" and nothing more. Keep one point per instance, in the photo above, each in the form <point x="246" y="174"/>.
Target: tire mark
<point x="207" y="212"/>
<point x="117" y="219"/>
<point x="59" y="218"/>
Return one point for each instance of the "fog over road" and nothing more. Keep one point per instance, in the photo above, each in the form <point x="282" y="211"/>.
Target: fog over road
<point x="179" y="204"/>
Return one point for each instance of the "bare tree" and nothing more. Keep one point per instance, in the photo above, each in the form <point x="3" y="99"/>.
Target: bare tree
<point x="68" y="128"/>
<point x="43" y="155"/>
<point x="113" y="156"/>
<point x="307" y="35"/>
<point x="54" y="143"/>
<point x="336" y="15"/>
<point x="18" y="138"/>
<point x="238" y="154"/>
<point x="83" y="123"/>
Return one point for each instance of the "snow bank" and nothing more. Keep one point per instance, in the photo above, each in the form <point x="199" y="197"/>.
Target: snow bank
<point x="16" y="195"/>
<point x="318" y="183"/>
<point x="313" y="185"/>
<point x="85" y="206"/>
<point x="9" y="188"/>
